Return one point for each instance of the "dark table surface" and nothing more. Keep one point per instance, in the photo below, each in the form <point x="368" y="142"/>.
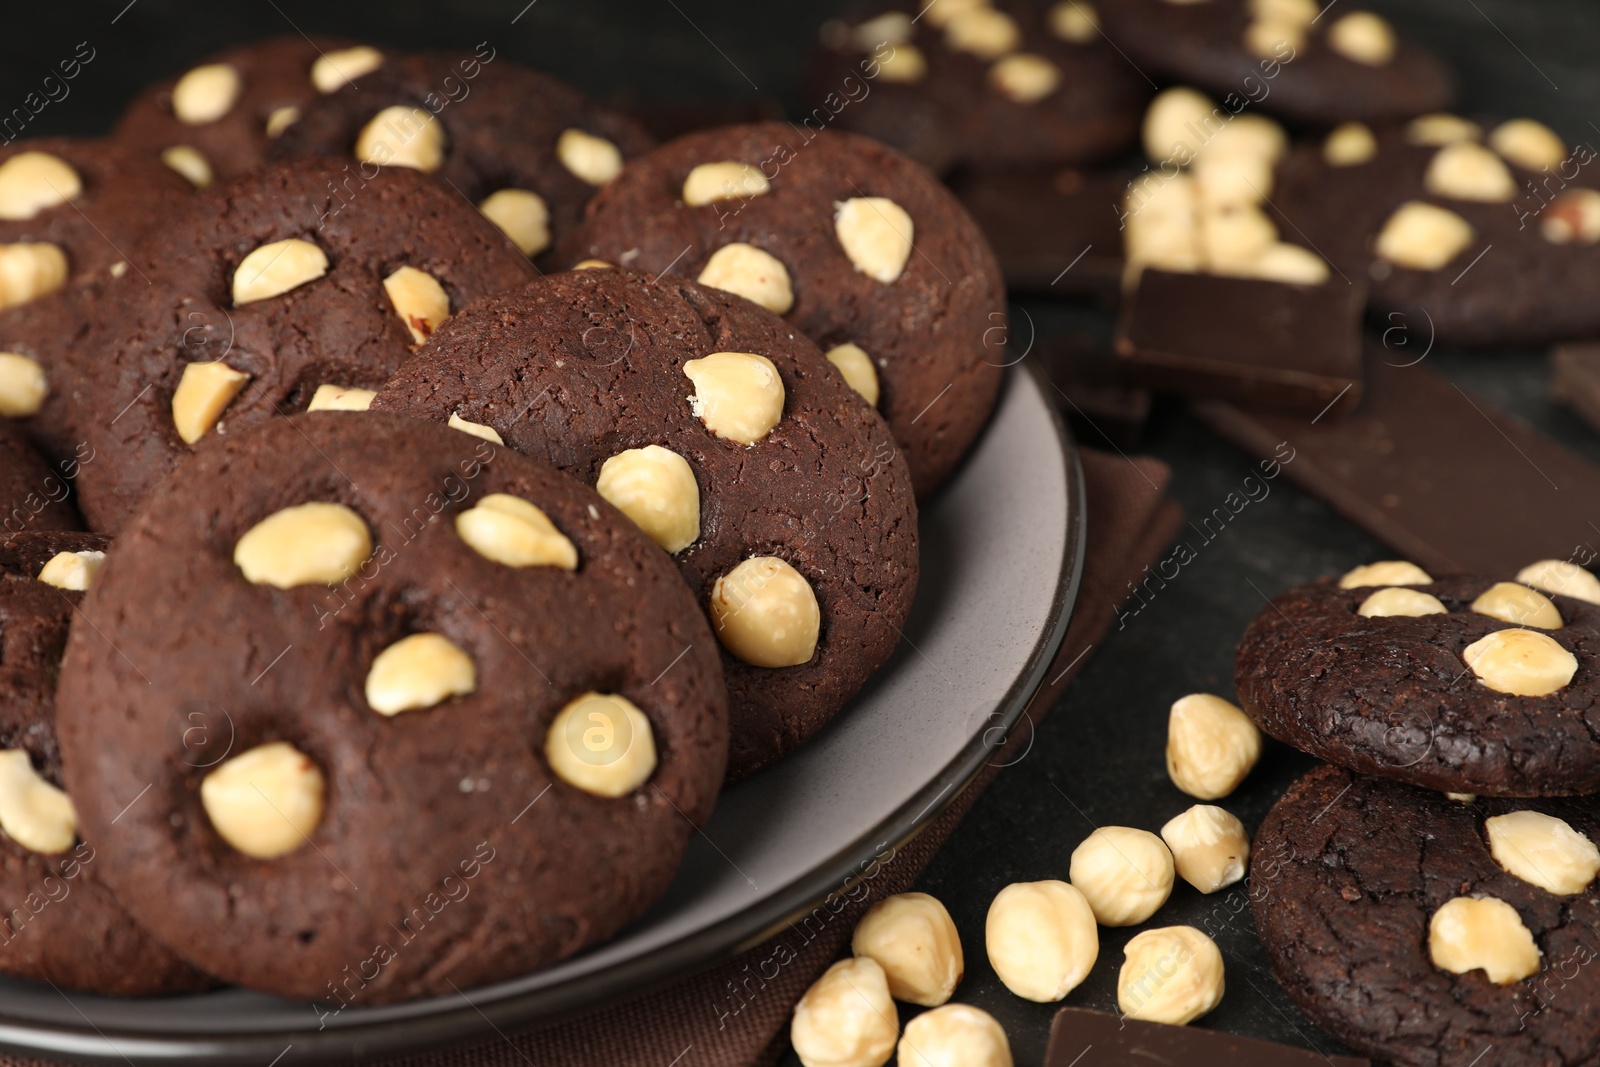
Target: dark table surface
<point x="1098" y="758"/>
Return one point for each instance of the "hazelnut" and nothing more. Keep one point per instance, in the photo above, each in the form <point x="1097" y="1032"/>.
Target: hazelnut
<point x="654" y="487"/>
<point x="476" y="429"/>
<point x="1211" y="746"/>
<point x="340" y="398"/>
<point x="942" y="12"/>
<point x="1530" y="145"/>
<point x="1162" y="228"/>
<point x="1421" y="236"/>
<point x="191" y="163"/>
<point x="280" y="119"/>
<point x="1522" y="663"/>
<point x="23" y="387"/>
<point x="34" y="813"/>
<point x="1250" y="136"/>
<point x="876" y="234"/>
<point x="401" y="136"/>
<point x="1291" y="264"/>
<point x="265" y="802"/>
<point x="856" y="366"/>
<point x="1441" y="129"/>
<point x="1171" y="975"/>
<point x="274" y="269"/>
<point x="891" y="28"/>
<point x="846" y="1018"/>
<point x="1543" y="850"/>
<point x="1209" y="847"/>
<point x="1482" y="933"/>
<point x="1398" y="600"/>
<point x="738" y="395"/>
<point x="31" y="182"/>
<point x="515" y="533"/>
<point x="1124" y="874"/>
<point x="1271" y="36"/>
<point x="747" y="271"/>
<point x="1573" y="217"/>
<point x="1561" y="578"/>
<point x="956" y="1035"/>
<point x="419" y="300"/>
<point x="983" y="31"/>
<point x="203" y="394"/>
<point x="522" y="216"/>
<point x="914" y="940"/>
<point x="593" y="160"/>
<point x="1462" y="798"/>
<point x="1075" y="21"/>
<point x="1517" y="604"/>
<point x="1468" y="171"/>
<point x="1225" y="179"/>
<point x="29" y="270"/>
<point x="307" y="544"/>
<point x="1302" y="11"/>
<point x="1234" y="238"/>
<point x="72" y="570"/>
<point x="1024" y="78"/>
<point x="334" y="70"/>
<point x="1385" y="572"/>
<point x="728" y="180"/>
<point x="205" y="94"/>
<point x="1178" y="123"/>
<point x="1041" y="939"/>
<point x="1363" y="37"/>
<point x="906" y="65"/>
<point x="765" y="613"/>
<point x="1350" y="144"/>
<point x="602" y="744"/>
<point x="419" y="671"/>
<point x="592" y="264"/>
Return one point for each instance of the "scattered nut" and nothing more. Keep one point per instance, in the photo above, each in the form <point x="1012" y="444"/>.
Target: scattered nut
<point x="401" y="136"/>
<point x="1573" y="217"/>
<point x="1462" y="798"/>
<point x="419" y="671"/>
<point x="1519" y="605"/>
<point x="846" y="1018"/>
<point x="728" y="180"/>
<point x="891" y="28"/>
<point x="31" y="182"/>
<point x="265" y="802"/>
<point x="205" y="94"/>
<point x="956" y="1035"/>
<point x="340" y="398"/>
<point x="914" y="940"/>
<point x="1292" y="264"/>
<point x="1251" y="136"/>
<point x="191" y="163"/>
<point x="1211" y="746"/>
<point x="72" y="570"/>
<point x="419" y="300"/>
<point x="1543" y="850"/>
<point x="1468" y="171"/>
<point x="1124" y="874"/>
<point x="654" y="487"/>
<point x="1441" y="129"/>
<point x="1529" y="144"/>
<point x="594" y="160"/>
<point x="1235" y="238"/>
<point x="1075" y="21"/>
<point x="1209" y="847"/>
<point x="23" y="386"/>
<point x="119" y="268"/>
<point x="905" y="65"/>
<point x="1171" y="975"/>
<point x="1385" y="572"/>
<point x="280" y="119"/>
<point x="1482" y="933"/>
<point x="876" y="234"/>
<point x="1270" y="37"/>
<point x="602" y="744"/>
<point x="476" y="429"/>
<point x="274" y="269"/>
<point x="856" y="366"/>
<point x="1423" y="237"/>
<point x="1178" y="123"/>
<point x="34" y="813"/>
<point x="1523" y="663"/>
<point x="1398" y="600"/>
<point x="1561" y="578"/>
<point x="1233" y="178"/>
<point x="203" y="394"/>
<point x="511" y="531"/>
<point x="592" y="264"/>
<point x="306" y="544"/>
<point x="1162" y="229"/>
<point x="747" y="271"/>
<point x="1024" y="78"/>
<point x="1041" y="939"/>
<point x="1302" y="11"/>
<point x="522" y="216"/>
<point x="765" y="612"/>
<point x="983" y="31"/>
<point x="334" y="70"/>
<point x="1349" y="145"/>
<point x="30" y="270"/>
<point x="942" y="12"/>
<point x="1363" y="37"/>
<point x="738" y="395"/>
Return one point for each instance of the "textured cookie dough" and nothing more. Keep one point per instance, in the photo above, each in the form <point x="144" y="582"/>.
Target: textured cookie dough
<point x="432" y="850"/>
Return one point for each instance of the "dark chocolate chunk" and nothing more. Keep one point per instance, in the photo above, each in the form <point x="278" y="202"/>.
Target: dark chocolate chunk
<point x="1080" y="1037"/>
<point x="1090" y="391"/>
<point x="1575" y="380"/>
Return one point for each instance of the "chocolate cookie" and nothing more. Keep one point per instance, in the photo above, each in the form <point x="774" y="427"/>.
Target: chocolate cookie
<point x="61" y="923"/>
<point x="527" y="149"/>
<point x="220" y="118"/>
<point x="1290" y="58"/>
<point x="1462" y="684"/>
<point x="263" y="290"/>
<point x="369" y="709"/>
<point x="1358" y="886"/>
<point x="856" y="245"/>
<point x="991" y="86"/>
<point x="729" y="438"/>
<point x="33" y="496"/>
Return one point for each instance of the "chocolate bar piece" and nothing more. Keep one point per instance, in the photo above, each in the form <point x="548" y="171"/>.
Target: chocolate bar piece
<point x="1439" y="475"/>
<point x="1083" y="1038"/>
<point x="1575" y="380"/>
<point x="1257" y="342"/>
<point x="1101" y="407"/>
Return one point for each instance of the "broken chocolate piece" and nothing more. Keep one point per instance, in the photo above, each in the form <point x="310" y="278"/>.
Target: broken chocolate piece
<point x="1089" y="391"/>
<point x="1083" y="1038"/>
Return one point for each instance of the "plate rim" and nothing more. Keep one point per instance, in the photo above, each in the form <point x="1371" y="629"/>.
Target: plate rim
<point x="639" y="975"/>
